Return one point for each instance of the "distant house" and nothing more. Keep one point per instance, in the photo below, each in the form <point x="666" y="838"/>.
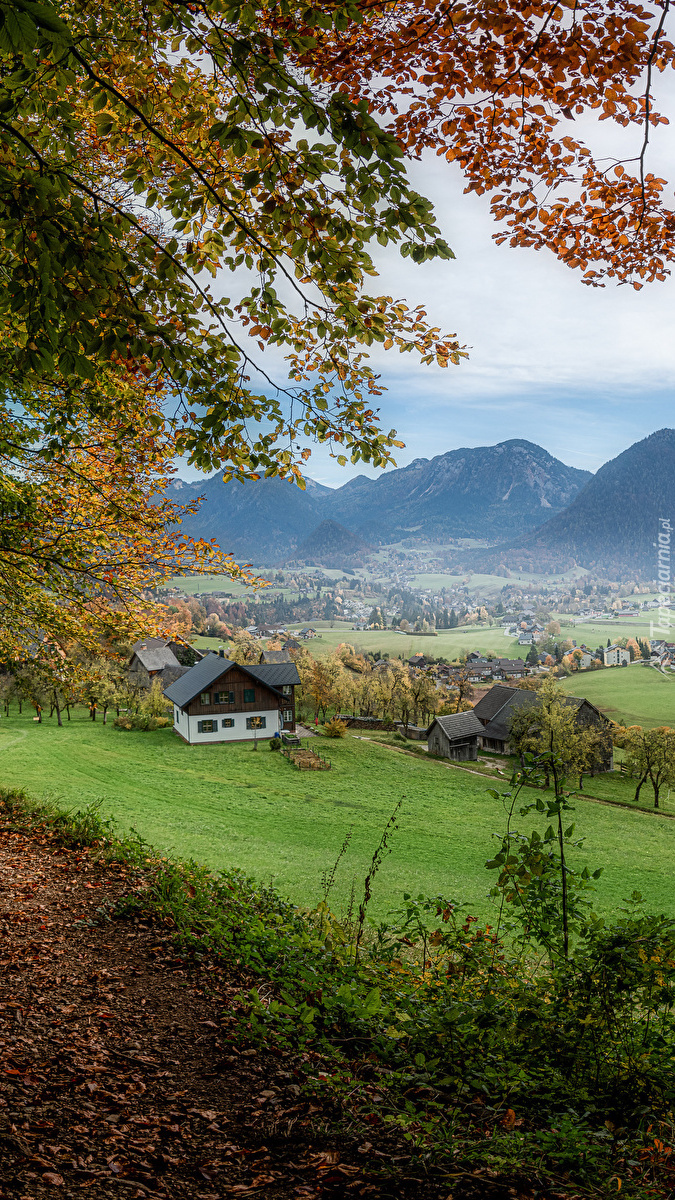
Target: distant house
<point x="275" y="656"/>
<point x="455" y="736"/>
<point x="308" y="633"/>
<point x="292" y="644"/>
<point x="417" y="660"/>
<point x="221" y="701"/>
<point x="526" y="638"/>
<point x="478" y="672"/>
<point x="494" y="711"/>
<point x="587" y="659"/>
<point x="616" y="656"/>
<point x="161" y="658"/>
<point x="513" y="668"/>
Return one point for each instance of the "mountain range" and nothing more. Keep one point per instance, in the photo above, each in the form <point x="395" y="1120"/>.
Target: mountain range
<point x="491" y="493"/>
<point x="535" y="512"/>
<point x="610" y="527"/>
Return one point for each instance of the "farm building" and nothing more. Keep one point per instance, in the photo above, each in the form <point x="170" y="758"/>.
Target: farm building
<point x="160" y="658"/>
<point x="222" y="701"/>
<point x="275" y="656"/>
<point x="494" y="711"/>
<point x="455" y="736"/>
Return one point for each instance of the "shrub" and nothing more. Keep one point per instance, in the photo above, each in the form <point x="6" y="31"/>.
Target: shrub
<point x="141" y="723"/>
<point x="275" y="743"/>
<point x="335" y="728"/>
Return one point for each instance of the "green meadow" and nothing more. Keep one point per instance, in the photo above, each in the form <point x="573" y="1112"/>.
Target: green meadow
<point x="231" y="806"/>
<point x="448" y="643"/>
<point x="637" y="695"/>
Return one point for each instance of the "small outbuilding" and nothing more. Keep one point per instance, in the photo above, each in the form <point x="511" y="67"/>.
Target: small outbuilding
<point x="455" y="736"/>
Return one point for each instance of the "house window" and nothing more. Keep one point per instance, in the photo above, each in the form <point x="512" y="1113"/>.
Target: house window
<point x="207" y="726"/>
<point x="205" y="698"/>
<point x="223" y="698"/>
<point x="256" y="722"/>
<point x="288" y="716"/>
<point x="228" y="723"/>
<point x="249" y="695"/>
<point x="287" y="689"/>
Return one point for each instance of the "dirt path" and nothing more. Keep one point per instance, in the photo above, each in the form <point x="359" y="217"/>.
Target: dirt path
<point x="120" y="1074"/>
<point x="448" y="766"/>
<point x="645" y="812"/>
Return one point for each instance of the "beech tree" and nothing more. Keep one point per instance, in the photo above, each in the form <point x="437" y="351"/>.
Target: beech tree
<point x="148" y="150"/>
<point x="497" y="87"/>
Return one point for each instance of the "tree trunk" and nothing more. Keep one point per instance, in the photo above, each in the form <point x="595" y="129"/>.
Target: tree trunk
<point x="68" y="710"/>
<point x="105" y="714"/>
<point x="636" y="797"/>
<point x="563" y="866"/>
<point x="39" y="713"/>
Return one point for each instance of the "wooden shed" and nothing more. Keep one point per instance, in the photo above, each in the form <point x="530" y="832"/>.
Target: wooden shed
<point x="455" y="736"/>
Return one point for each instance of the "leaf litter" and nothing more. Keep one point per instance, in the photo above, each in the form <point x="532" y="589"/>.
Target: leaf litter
<point x="121" y="1072"/>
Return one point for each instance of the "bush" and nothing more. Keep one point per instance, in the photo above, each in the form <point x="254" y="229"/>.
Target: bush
<point x="335" y="728"/>
<point x="141" y="723"/>
<point x="275" y="743"/>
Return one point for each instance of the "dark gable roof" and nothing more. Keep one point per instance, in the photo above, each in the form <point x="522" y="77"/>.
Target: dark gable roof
<point x="197" y="679"/>
<point x="499" y="726"/>
<point x="464" y="724"/>
<point x="489" y="705"/>
<point x="275" y="656"/>
<point x="212" y="666"/>
<point x="275" y="675"/>
<point x="155" y="658"/>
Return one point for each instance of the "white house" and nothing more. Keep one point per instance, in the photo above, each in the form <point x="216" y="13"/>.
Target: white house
<point x="221" y="701"/>
<point x="616" y="656"/>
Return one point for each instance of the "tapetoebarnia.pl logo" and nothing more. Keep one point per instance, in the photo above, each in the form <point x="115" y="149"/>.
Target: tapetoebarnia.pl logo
<point x="663" y="575"/>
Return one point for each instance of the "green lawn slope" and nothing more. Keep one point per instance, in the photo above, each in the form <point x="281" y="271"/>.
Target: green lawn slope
<point x="231" y="806"/>
<point x="637" y="695"/>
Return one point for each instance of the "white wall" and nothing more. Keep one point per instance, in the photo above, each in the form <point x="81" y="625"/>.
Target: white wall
<point x="187" y="726"/>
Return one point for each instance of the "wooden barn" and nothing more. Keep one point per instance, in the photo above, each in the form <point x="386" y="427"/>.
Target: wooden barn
<point x="455" y="736"/>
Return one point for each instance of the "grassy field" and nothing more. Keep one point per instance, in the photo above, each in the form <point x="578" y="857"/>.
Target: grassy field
<point x="488" y="584"/>
<point x="231" y="806"/>
<point x="447" y="644"/>
<point x="638" y="695"/>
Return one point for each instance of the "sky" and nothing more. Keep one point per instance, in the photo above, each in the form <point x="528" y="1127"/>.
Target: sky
<point x="583" y="372"/>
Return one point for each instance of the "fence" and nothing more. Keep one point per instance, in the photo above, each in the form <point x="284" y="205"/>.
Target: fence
<point x="306" y="760"/>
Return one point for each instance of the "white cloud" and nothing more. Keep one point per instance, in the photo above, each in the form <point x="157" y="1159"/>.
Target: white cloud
<point x="583" y="372"/>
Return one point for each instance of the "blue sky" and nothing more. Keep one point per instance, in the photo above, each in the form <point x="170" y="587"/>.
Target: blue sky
<point x="583" y="372"/>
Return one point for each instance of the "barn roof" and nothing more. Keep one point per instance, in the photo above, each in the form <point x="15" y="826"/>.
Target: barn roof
<point x="204" y="673"/>
<point x="155" y="657"/>
<point x="500" y="725"/>
<point x="489" y="704"/>
<point x="464" y="724"/>
<point x="275" y="656"/>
